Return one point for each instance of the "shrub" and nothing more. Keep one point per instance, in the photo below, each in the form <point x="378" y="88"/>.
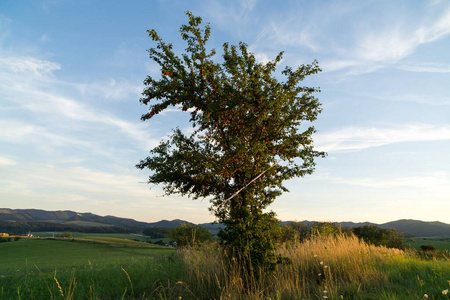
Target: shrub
<point x="187" y="235"/>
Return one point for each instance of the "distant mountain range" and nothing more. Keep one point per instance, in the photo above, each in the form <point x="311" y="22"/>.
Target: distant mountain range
<point x="72" y="221"/>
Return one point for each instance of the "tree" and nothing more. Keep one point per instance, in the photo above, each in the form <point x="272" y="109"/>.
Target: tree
<point x="190" y="235"/>
<point x="381" y="237"/>
<point x="251" y="133"/>
<point x="156" y="232"/>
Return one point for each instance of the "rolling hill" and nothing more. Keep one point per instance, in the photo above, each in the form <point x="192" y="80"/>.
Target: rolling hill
<point x="38" y="220"/>
<point x="419" y="228"/>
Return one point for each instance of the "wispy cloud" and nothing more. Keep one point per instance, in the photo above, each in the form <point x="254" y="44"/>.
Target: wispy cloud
<point x="386" y="47"/>
<point x="33" y="87"/>
<point x="5" y="161"/>
<point x="358" y="138"/>
<point x="232" y="17"/>
<point x="28" y="65"/>
<point x="110" y="89"/>
<point x="45" y="38"/>
<point x="425" y="67"/>
<point x="344" y="41"/>
<point x="430" y="181"/>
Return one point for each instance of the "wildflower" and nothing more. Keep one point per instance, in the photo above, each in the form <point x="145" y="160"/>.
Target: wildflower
<point x="325" y="267"/>
<point x="320" y="274"/>
<point x="425" y="296"/>
<point x="325" y="291"/>
<point x="315" y="255"/>
<point x="321" y="263"/>
<point x="444" y="292"/>
<point x="325" y="297"/>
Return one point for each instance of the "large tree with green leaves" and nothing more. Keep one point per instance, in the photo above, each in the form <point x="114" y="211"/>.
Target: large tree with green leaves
<point x="251" y="133"/>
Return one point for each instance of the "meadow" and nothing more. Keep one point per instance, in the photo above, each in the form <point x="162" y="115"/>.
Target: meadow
<point x="87" y="268"/>
<point x="114" y="267"/>
<point x="438" y="242"/>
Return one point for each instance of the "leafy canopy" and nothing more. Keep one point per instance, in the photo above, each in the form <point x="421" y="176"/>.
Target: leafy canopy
<point x="246" y="122"/>
<point x="251" y="131"/>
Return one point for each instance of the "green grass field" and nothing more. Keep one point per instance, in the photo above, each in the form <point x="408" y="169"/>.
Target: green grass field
<point x="440" y="243"/>
<point x="126" y="236"/>
<point x="110" y="267"/>
<point x="105" y="270"/>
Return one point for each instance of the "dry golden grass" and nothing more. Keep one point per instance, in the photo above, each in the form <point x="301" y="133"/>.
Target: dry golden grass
<point x="325" y="268"/>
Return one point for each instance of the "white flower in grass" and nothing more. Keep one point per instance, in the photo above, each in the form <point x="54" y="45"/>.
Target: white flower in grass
<point x="444" y="292"/>
<point x="425" y="296"/>
<point x="321" y="263"/>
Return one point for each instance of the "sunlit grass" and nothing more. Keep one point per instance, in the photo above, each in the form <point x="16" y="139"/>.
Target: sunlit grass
<point x="320" y="268"/>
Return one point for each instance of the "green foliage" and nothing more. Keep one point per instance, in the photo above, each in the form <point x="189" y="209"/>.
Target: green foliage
<point x="377" y="236"/>
<point x="300" y="231"/>
<point x="427" y="248"/>
<point x="325" y="229"/>
<point x="187" y="235"/>
<point x="251" y="133"/>
<point x="156" y="232"/>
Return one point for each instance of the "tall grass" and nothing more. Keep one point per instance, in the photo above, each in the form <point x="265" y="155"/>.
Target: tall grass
<point x="339" y="267"/>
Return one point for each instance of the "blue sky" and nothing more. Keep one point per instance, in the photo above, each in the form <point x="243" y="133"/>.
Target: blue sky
<point x="71" y="75"/>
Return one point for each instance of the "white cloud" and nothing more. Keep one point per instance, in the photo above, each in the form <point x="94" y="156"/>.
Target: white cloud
<point x="425" y="67"/>
<point x="400" y="39"/>
<point x="32" y="87"/>
<point x="358" y="138"/>
<point x="386" y="46"/>
<point x="431" y="181"/>
<point x="248" y="5"/>
<point x="435" y="31"/>
<point x="361" y="48"/>
<point x="110" y="89"/>
<point x="262" y="58"/>
<point x="45" y="38"/>
<point x="413" y="98"/>
<point x="5" y="161"/>
<point x="229" y="16"/>
<point x="389" y="45"/>
<point x="282" y="34"/>
<point x="28" y="65"/>
<point x="335" y="65"/>
<point x="87" y="189"/>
